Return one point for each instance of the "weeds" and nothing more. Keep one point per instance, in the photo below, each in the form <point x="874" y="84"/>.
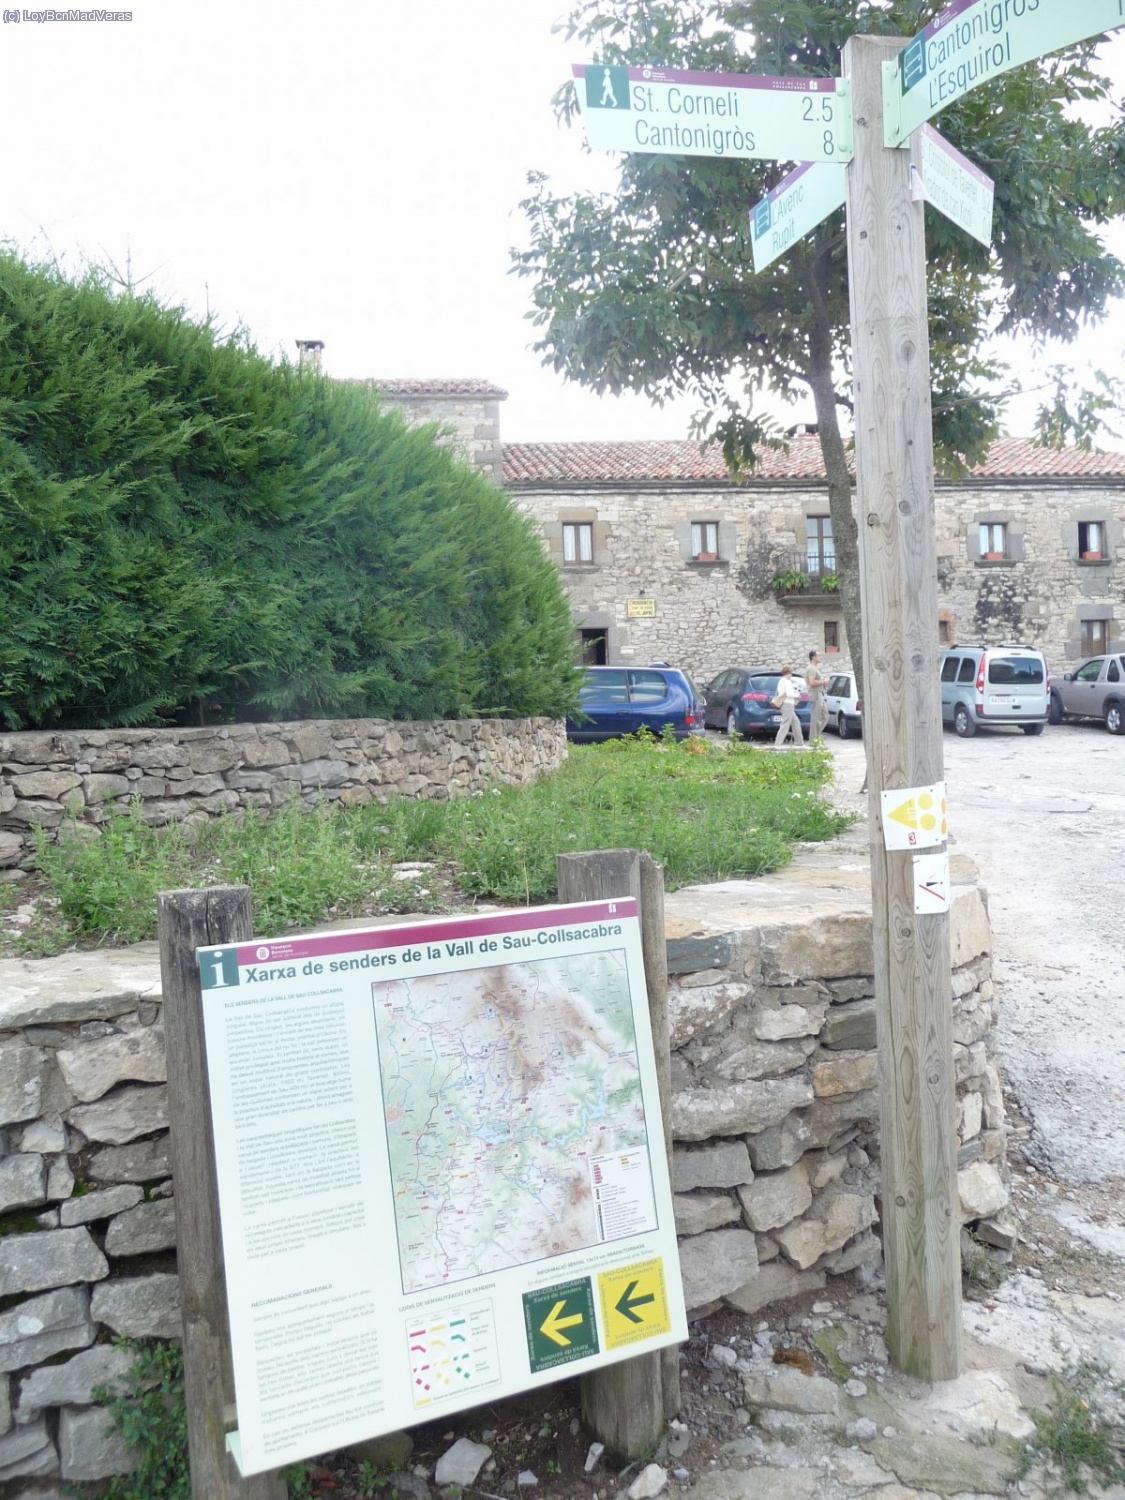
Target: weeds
<point x="705" y="812"/>
<point x="151" y="1416"/>
<point x="1073" y="1441"/>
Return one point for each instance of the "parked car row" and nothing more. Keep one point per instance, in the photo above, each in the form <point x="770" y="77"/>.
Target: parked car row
<point x="982" y="687"/>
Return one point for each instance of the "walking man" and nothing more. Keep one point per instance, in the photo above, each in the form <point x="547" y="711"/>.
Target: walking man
<point x="818" y="714"/>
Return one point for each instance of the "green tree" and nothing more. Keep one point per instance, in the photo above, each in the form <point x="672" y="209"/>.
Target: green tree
<point x="651" y="288"/>
<point x="189" y="533"/>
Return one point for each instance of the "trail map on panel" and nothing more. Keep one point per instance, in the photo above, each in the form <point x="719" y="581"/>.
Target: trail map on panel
<point x="514" y="1115"/>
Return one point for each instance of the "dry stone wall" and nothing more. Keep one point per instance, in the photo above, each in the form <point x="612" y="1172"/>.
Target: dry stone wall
<point x="184" y="775"/>
<point x="775" y="1119"/>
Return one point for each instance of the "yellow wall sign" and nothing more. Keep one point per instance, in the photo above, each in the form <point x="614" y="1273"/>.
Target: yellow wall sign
<point x="640" y="609"/>
<point x="634" y="1303"/>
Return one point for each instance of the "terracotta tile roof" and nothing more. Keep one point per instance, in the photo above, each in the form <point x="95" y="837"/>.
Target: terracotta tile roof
<point x="467" y="387"/>
<point x="529" y="464"/>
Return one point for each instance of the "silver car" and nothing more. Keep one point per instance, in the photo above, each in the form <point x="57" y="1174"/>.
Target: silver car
<point x="1095" y="690"/>
<point x="841" y="702"/>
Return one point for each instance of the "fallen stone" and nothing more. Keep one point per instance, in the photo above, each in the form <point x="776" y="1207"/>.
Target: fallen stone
<point x="776" y="1199"/>
<point x="981" y="1191"/>
<point x="391" y="1451"/>
<point x="58" y="1257"/>
<point x="726" y="1164"/>
<point x="90" y="1446"/>
<point x="23" y="1182"/>
<point x="783" y="1388"/>
<point x="91" y="1070"/>
<point x="862" y="1430"/>
<point x="736" y="1109"/>
<point x="696" y="1214"/>
<point x="140" y="1307"/>
<point x="527" y="1479"/>
<point x="716" y="1263"/>
<point x="650" y="1482"/>
<point x="44" y="1326"/>
<point x="99" y="1205"/>
<point x="776" y="1281"/>
<point x="124" y="1115"/>
<point x="144" y="1229"/>
<point x="723" y="1357"/>
<point x="74" y="1383"/>
<point x="593" y="1457"/>
<point x="462" y="1463"/>
<point x="1001" y="1232"/>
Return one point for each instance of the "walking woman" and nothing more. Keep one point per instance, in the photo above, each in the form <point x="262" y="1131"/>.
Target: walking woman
<point x="789" y="695"/>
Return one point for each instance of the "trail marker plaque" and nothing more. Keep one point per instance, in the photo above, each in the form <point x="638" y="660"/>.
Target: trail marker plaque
<point x="955" y="187"/>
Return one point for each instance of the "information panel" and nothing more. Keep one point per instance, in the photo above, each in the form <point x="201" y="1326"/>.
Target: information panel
<point x="973" y="41"/>
<point x="673" y="112"/>
<point x="441" y="1168"/>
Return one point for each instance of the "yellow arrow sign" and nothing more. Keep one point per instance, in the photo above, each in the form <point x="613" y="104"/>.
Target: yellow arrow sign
<point x="553" y="1324"/>
<point x="921" y="814"/>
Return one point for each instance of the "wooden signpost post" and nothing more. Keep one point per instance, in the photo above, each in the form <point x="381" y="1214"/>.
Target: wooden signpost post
<point x="891" y="87"/>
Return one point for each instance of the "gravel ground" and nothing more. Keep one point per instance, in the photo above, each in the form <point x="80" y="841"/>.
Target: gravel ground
<point x="1044" y="818"/>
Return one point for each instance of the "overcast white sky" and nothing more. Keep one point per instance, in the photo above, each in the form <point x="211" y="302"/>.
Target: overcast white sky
<point x="347" y="170"/>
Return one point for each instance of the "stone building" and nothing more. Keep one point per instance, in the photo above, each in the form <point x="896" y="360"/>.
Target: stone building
<point x="665" y="559"/>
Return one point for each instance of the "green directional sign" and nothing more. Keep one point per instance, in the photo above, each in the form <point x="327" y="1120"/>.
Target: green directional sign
<point x="559" y="1323"/>
<point x="973" y="41"/>
<point x="955" y="186"/>
<point x="672" y="112"/>
<point x="797" y="204"/>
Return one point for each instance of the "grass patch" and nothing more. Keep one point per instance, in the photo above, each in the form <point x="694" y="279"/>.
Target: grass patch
<point x="706" y="812"/>
<point x="1075" y="1442"/>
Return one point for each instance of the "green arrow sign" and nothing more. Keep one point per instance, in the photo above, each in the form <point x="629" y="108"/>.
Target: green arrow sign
<point x="797" y="204"/>
<point x="670" y="112"/>
<point x="973" y="41"/>
<point x="631" y="1299"/>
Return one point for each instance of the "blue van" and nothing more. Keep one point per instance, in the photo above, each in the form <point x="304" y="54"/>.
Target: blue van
<point x="613" y="701"/>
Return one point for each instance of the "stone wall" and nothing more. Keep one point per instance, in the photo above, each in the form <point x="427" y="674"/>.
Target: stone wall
<point x="775" y="1117"/>
<point x="710" y="615"/>
<point x="775" y="1113"/>
<point x="183" y="775"/>
<point x="471" y="408"/>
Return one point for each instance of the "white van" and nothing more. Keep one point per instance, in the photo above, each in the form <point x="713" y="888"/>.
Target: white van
<point x="983" y="687"/>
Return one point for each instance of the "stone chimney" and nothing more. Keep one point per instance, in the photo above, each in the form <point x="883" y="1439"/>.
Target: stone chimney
<point x="309" y="353"/>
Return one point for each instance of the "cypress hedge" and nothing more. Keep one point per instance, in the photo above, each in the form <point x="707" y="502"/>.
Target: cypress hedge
<point x="192" y="534"/>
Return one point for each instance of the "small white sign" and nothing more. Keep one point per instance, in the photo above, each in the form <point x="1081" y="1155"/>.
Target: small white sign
<point x="931" y="883"/>
<point x="914" y="817"/>
<point x="954" y="186"/>
<point x="797" y="204"/>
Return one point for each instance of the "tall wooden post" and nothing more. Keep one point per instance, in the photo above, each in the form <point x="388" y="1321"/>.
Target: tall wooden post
<point x="902" y="727"/>
<point x="189" y="920"/>
<point x="626" y="1404"/>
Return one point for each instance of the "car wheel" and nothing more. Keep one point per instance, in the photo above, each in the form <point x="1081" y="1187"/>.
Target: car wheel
<point x="1055" y="710"/>
<point x="842" y="725"/>
<point x="732" y="725"/>
<point x="963" y="722"/>
<point x="1114" y="718"/>
<point x="1032" y="728"/>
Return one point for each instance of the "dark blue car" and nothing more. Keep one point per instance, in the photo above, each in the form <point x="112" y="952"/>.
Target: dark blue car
<point x="738" y="700"/>
<point x="620" y="700"/>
